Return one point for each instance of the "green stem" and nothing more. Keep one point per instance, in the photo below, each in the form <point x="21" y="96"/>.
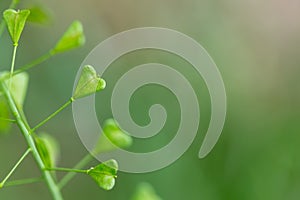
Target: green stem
<point x="35" y="62"/>
<point x="9" y="120"/>
<point x="15" y="167"/>
<point x="23" y="181"/>
<point x="30" y="141"/>
<point x="82" y="163"/>
<point x="53" y="114"/>
<point x="21" y="111"/>
<point x="12" y="64"/>
<point x="67" y="170"/>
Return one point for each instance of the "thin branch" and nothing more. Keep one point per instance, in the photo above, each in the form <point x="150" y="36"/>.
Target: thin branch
<point x="53" y="115"/>
<point x="23" y="182"/>
<point x="82" y="163"/>
<point x="15" y="167"/>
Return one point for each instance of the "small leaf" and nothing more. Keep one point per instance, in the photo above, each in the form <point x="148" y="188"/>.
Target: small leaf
<point x="104" y="174"/>
<point x="18" y="88"/>
<point x="72" y="38"/>
<point x="145" y="192"/>
<point x="113" y="137"/>
<point x="39" y="15"/>
<point x="89" y="83"/>
<point x="4" y="114"/>
<point x="15" y="21"/>
<point x="48" y="149"/>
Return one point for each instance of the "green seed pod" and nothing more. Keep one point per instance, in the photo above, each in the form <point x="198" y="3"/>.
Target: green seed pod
<point x="113" y="137"/>
<point x="104" y="174"/>
<point x="72" y="38"/>
<point x="15" y="21"/>
<point x="89" y="83"/>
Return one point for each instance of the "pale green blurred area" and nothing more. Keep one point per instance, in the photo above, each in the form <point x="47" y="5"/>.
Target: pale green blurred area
<point x="256" y="47"/>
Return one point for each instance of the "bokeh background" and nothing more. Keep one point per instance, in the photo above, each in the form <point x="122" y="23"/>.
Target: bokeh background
<point x="256" y="47"/>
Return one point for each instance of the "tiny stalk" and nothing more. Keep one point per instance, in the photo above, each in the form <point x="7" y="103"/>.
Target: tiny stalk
<point x="9" y="120"/>
<point x="12" y="64"/>
<point x="23" y="182"/>
<point x="82" y="163"/>
<point x="53" y="114"/>
<point x="34" y="63"/>
<point x="67" y="170"/>
<point x="89" y="83"/>
<point x="15" y="167"/>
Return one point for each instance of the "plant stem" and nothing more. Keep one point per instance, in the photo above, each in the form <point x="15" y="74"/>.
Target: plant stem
<point x="53" y="114"/>
<point x="9" y="120"/>
<point x="30" y="141"/>
<point x="82" y="163"/>
<point x="67" y="170"/>
<point x="23" y="181"/>
<point x="12" y="64"/>
<point x="35" y="62"/>
<point x="15" y="167"/>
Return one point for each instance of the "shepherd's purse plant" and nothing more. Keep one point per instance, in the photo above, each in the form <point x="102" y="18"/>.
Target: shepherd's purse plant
<point x="43" y="146"/>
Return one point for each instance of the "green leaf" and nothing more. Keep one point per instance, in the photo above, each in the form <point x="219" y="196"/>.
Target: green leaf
<point x="105" y="174"/>
<point x="89" y="83"/>
<point x="4" y="114"/>
<point x="72" y="38"/>
<point x="18" y="88"/>
<point x="15" y="21"/>
<point x="48" y="149"/>
<point x="145" y="192"/>
<point x="39" y="15"/>
<point x="113" y="137"/>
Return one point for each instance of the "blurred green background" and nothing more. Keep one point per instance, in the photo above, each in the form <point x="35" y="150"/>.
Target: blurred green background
<point x="254" y="43"/>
